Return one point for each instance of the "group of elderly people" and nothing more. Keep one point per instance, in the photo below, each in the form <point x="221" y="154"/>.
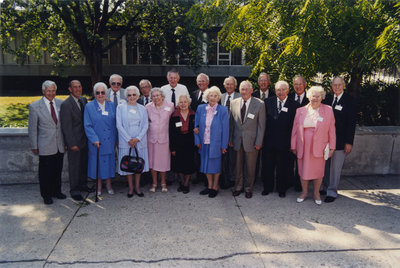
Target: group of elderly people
<point x="168" y="131"/>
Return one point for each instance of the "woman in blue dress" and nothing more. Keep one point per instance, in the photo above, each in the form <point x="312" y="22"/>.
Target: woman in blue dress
<point x="211" y="137"/>
<point x="99" y="122"/>
<point x="132" y="125"/>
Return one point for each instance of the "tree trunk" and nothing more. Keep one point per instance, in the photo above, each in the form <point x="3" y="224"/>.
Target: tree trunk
<point x="356" y="76"/>
<point x="95" y="64"/>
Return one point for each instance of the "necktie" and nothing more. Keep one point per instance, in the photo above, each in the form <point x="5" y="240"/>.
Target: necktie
<point x="263" y="96"/>
<point x="81" y="106"/>
<point x="146" y="100"/>
<point x="243" y="111"/>
<point x="298" y="99"/>
<point x="173" y="96"/>
<point x="53" y="112"/>
<point x="201" y="97"/>
<point x="115" y="99"/>
<point x="335" y="102"/>
<point x="228" y="102"/>
<point x="280" y="106"/>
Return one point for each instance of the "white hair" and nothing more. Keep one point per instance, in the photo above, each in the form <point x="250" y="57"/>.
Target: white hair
<point x="317" y="89"/>
<point x="213" y="89"/>
<point x="99" y="84"/>
<point x="48" y="83"/>
<point x="132" y="88"/>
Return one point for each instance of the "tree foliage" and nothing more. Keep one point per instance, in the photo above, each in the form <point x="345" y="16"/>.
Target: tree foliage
<point x="68" y="30"/>
<point x="305" y="37"/>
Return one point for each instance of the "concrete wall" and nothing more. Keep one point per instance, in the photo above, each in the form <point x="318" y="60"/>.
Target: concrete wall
<point x="376" y="151"/>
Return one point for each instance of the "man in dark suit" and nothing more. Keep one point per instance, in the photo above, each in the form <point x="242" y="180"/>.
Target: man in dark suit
<point x="46" y="140"/>
<point x="263" y="82"/>
<point x="246" y="133"/>
<point x="71" y="116"/>
<point x="227" y="178"/>
<point x="197" y="96"/>
<point x="299" y="96"/>
<point x="280" y="112"/>
<point x="145" y="87"/>
<point x="345" y="110"/>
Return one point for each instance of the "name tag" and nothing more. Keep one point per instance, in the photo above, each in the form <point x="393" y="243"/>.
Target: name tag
<point x="251" y="116"/>
<point x="167" y="109"/>
<point x="132" y="111"/>
<point x="178" y="124"/>
<point x="284" y="109"/>
<point x="338" y="107"/>
<point x="104" y="113"/>
<point x="320" y="119"/>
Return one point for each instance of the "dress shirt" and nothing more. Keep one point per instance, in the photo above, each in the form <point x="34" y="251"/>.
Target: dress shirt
<point x="338" y="98"/>
<point x="179" y="90"/>
<point x="49" y="108"/>
<point x="203" y="99"/>
<point x="283" y="102"/>
<point x="118" y="96"/>
<point x="301" y="97"/>
<point x="231" y="98"/>
<point x="247" y="104"/>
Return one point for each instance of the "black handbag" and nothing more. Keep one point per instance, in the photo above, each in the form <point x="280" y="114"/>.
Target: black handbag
<point x="134" y="164"/>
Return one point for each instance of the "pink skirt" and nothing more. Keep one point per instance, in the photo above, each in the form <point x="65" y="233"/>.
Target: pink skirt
<point x="310" y="167"/>
<point x="159" y="156"/>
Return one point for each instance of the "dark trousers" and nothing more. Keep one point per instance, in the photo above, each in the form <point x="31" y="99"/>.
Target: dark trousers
<point x="77" y="169"/>
<point x="294" y="173"/>
<point x="50" y="168"/>
<point x="275" y="160"/>
<point x="228" y="167"/>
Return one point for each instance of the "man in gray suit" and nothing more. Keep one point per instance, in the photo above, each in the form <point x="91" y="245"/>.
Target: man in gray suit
<point x="229" y="159"/>
<point x="46" y="140"/>
<point x="71" y="116"/>
<point x="116" y="93"/>
<point x="247" y="126"/>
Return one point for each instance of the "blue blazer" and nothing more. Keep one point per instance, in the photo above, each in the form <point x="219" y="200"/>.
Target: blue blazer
<point x="99" y="127"/>
<point x="219" y="132"/>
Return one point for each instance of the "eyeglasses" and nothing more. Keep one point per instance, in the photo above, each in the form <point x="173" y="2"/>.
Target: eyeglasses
<point x="100" y="92"/>
<point x="131" y="95"/>
<point x="116" y="83"/>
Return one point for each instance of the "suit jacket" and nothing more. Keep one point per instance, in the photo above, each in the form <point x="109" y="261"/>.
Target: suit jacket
<point x="109" y="95"/>
<point x="219" y="130"/>
<point x="278" y="129"/>
<point x="251" y="132"/>
<point x="225" y="95"/>
<point x="44" y="134"/>
<point x="257" y="93"/>
<point x="345" y="119"/>
<point x="324" y="131"/>
<point x="141" y="100"/>
<point x="195" y="101"/>
<point x="72" y="123"/>
<point x="304" y="102"/>
<point x="99" y="127"/>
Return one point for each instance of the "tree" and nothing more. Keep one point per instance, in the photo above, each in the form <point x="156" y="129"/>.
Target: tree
<point x="305" y="36"/>
<point x="69" y="29"/>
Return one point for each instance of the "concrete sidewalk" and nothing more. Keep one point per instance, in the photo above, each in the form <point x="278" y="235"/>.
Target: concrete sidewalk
<point x="360" y="229"/>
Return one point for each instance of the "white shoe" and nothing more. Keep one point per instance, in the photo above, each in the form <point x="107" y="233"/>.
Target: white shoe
<point x="111" y="191"/>
<point x="98" y="193"/>
<point x="318" y="202"/>
<point x="299" y="200"/>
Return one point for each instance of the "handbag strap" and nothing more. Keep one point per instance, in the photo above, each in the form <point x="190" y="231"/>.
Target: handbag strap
<point x="137" y="155"/>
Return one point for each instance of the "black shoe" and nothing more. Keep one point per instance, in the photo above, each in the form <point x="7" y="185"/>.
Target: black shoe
<point x="180" y="188"/>
<point x="282" y="195"/>
<point x="139" y="194"/>
<point x="129" y="195"/>
<point x="205" y="191"/>
<point x="185" y="189"/>
<point x="236" y="193"/>
<point x="265" y="192"/>
<point x="60" y="196"/>
<point x="48" y="200"/>
<point x="87" y="189"/>
<point x="249" y="194"/>
<point x="322" y="192"/>
<point x="329" y="199"/>
<point x="77" y="197"/>
<point x="213" y="193"/>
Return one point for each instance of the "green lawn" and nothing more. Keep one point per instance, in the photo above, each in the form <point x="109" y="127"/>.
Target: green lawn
<point x="14" y="110"/>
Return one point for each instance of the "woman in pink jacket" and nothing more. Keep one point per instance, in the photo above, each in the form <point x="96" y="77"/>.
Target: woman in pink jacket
<point x="313" y="129"/>
<point x="159" y="112"/>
